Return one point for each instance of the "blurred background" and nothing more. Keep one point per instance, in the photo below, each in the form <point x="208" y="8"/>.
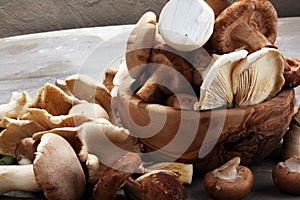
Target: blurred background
<point x="31" y="16"/>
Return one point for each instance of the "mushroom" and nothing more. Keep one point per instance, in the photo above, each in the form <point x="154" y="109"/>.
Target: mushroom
<point x="95" y="169"/>
<point x="58" y="174"/>
<point x="182" y="101"/>
<point x="90" y="110"/>
<point x="230" y="181"/>
<point x="258" y="77"/>
<point x="18" y="105"/>
<point x="25" y="151"/>
<point x="15" y="131"/>
<point x="216" y="90"/>
<point x="140" y="43"/>
<point x="53" y="99"/>
<point x="48" y="121"/>
<point x="115" y="176"/>
<point x="248" y="24"/>
<point x="109" y="77"/>
<point x="186" y="25"/>
<point x="218" y="5"/>
<point x="158" y="185"/>
<point x="292" y="72"/>
<point x="286" y="176"/>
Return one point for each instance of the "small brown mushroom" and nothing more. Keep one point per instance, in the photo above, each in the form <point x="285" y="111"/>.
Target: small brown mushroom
<point x="56" y="170"/>
<point x="230" y="181"/>
<point x="218" y="5"/>
<point x="109" y="77"/>
<point x="115" y="176"/>
<point x="286" y="176"/>
<point x="292" y="72"/>
<point x="25" y="151"/>
<point x="156" y="186"/>
<point x="248" y="24"/>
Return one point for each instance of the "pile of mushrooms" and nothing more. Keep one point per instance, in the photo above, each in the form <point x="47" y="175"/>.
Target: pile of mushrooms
<point x="63" y="142"/>
<point x="208" y="59"/>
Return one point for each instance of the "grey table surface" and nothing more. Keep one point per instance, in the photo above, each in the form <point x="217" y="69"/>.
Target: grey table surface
<point x="28" y="62"/>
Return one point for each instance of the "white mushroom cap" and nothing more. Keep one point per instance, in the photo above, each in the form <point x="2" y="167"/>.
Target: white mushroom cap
<point x="58" y="170"/>
<point x="186" y="25"/>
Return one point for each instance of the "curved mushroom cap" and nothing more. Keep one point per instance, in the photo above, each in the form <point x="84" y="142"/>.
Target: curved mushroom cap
<point x="139" y="44"/>
<point x="286" y="176"/>
<point x="91" y="110"/>
<point x="163" y="186"/>
<point x="216" y="89"/>
<point x="186" y="25"/>
<point x="249" y="24"/>
<point x="258" y="77"/>
<point x="230" y="181"/>
<point x="57" y="169"/>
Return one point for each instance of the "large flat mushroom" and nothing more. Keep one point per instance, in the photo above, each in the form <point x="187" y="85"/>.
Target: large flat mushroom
<point x="56" y="170"/>
<point x="248" y="24"/>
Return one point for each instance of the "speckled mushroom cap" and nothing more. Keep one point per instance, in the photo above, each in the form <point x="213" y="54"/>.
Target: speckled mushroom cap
<point x="249" y="24"/>
<point x="58" y="170"/>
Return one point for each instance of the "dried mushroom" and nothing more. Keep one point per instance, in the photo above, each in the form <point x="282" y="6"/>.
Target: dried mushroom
<point x="286" y="176"/>
<point x="189" y="32"/>
<point x="58" y="174"/>
<point x="258" y="77"/>
<point x="230" y="181"/>
<point x="216" y="90"/>
<point x="18" y="105"/>
<point x="248" y="24"/>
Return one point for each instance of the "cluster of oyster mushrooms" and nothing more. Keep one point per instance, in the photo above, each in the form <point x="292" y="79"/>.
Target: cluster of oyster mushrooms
<point x="64" y="141"/>
<point x="218" y="56"/>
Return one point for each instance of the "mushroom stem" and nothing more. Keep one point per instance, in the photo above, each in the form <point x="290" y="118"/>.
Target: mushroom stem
<point x="228" y="171"/>
<point x="247" y="34"/>
<point x="18" y="178"/>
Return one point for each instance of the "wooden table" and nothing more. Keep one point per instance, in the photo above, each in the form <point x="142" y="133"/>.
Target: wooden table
<point x="28" y="62"/>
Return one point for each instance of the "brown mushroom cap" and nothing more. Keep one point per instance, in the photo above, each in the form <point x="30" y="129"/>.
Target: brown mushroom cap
<point x="222" y="188"/>
<point x="218" y="5"/>
<point x="249" y="24"/>
<point x="58" y="170"/>
<point x="140" y="43"/>
<point x="286" y="176"/>
<point x="292" y="72"/>
<point x="25" y="151"/>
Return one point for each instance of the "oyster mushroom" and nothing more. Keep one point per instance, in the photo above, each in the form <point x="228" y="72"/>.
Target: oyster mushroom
<point x="186" y="25"/>
<point x="109" y="77"/>
<point x="258" y="77"/>
<point x="15" y="131"/>
<point x="115" y="176"/>
<point x="58" y="174"/>
<point x="25" y="151"/>
<point x="154" y="186"/>
<point x="286" y="176"/>
<point x="140" y="43"/>
<point x="18" y="105"/>
<point x="248" y="24"/>
<point x="53" y="99"/>
<point x="230" y="181"/>
<point x="90" y="110"/>
<point x="216" y="90"/>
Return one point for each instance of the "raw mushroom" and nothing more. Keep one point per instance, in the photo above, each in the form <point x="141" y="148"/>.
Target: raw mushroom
<point x="218" y="5"/>
<point x="258" y="77"/>
<point x="25" y="151"/>
<point x="286" y="176"/>
<point x="186" y="25"/>
<point x="91" y="110"/>
<point x="58" y="174"/>
<point x="95" y="169"/>
<point x="140" y="43"/>
<point x="155" y="186"/>
<point x="230" y="181"/>
<point x="292" y="72"/>
<point x="248" y="24"/>
<point x="109" y="77"/>
<point x="18" y="105"/>
<point x="115" y="176"/>
<point x="216" y="90"/>
<point x="15" y="131"/>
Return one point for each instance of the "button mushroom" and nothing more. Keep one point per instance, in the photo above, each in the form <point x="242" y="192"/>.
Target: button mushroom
<point x="248" y="24"/>
<point x="286" y="176"/>
<point x="186" y="25"/>
<point x="56" y="170"/>
<point x="230" y="181"/>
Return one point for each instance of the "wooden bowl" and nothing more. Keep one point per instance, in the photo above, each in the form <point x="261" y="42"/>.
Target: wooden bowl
<point x="207" y="138"/>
